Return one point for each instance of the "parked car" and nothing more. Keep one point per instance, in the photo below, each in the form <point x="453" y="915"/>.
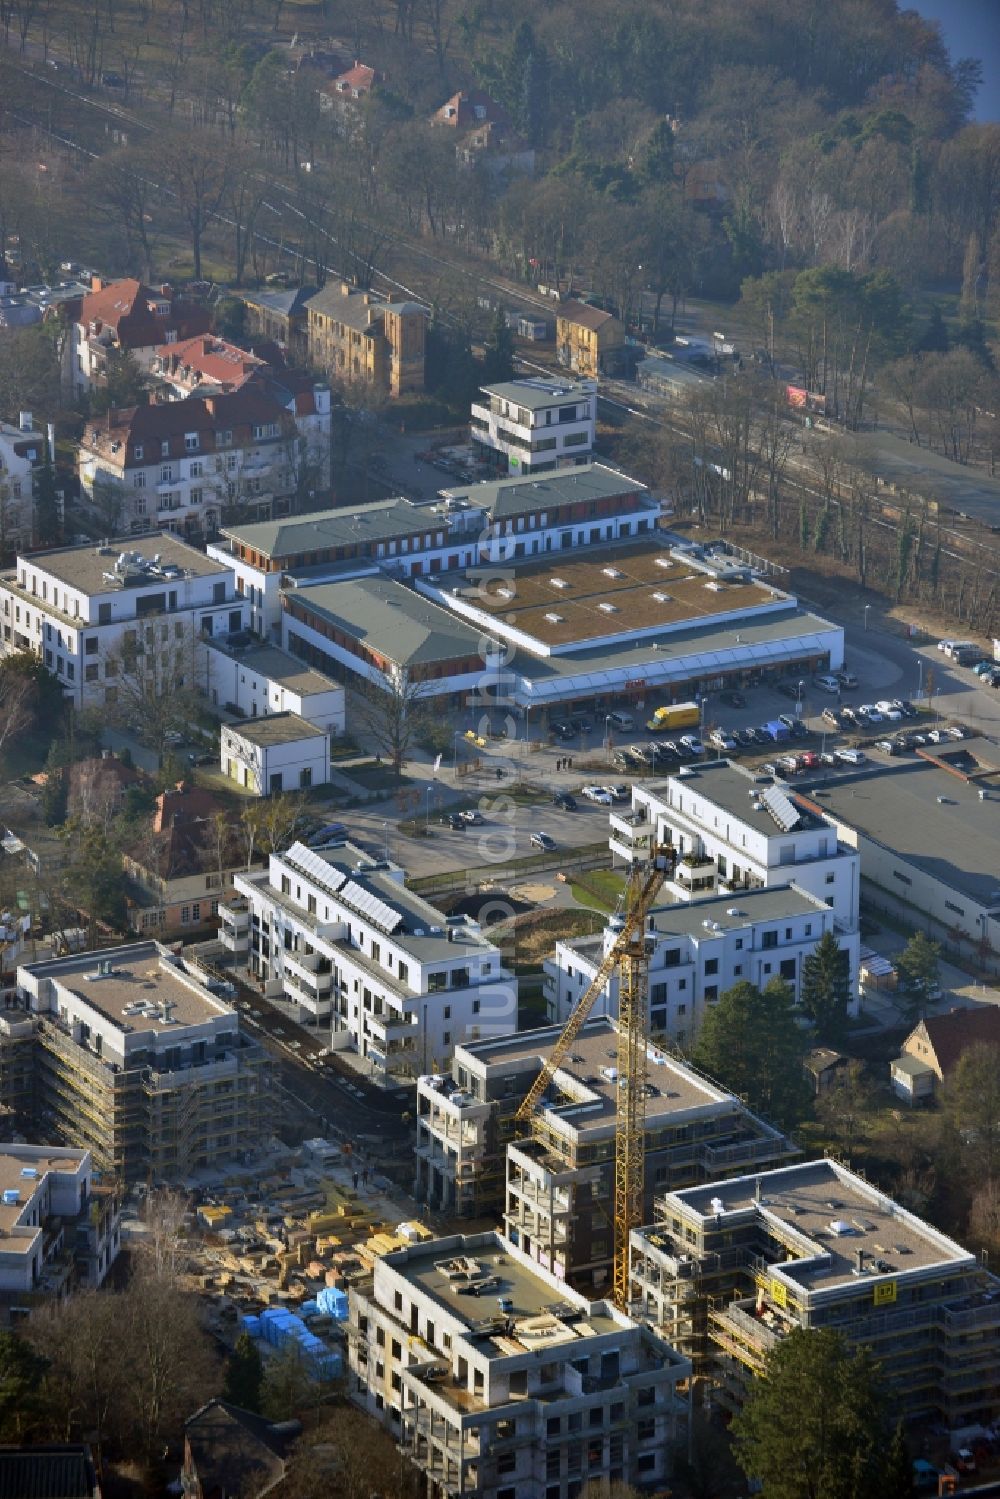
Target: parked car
<point x="788" y="689"/>
<point x="870" y="713"/>
<point x="456" y="820"/>
<point x="847" y="680"/>
<point x="809" y="759"/>
<point x="742" y="737"/>
<point x="543" y="841"/>
<point x="956" y="731"/>
<point x="788" y="720"/>
<point x="622" y="760"/>
<point x="827" y="682"/>
<point x="565" y="800"/>
<point x="473" y="817"/>
<point x="733" y="699"/>
<point x="849" y="716"/>
<point x="982" y="667"/>
<point x="889" y="710"/>
<point x="905" y="707"/>
<point x="753" y="736"/>
<point x="850" y="756"/>
<point x="937" y="736"/>
<point x="830" y="716"/>
<point x="692" y="744"/>
<point x="619" y="792"/>
<point x="330" y="832"/>
<point x="581" y="723"/>
<point x="886" y="746"/>
<point x="722" y="740"/>
<point x="564" y="730"/>
<point x="597" y="794"/>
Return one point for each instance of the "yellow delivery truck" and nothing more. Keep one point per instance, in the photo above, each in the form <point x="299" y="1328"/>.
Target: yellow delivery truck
<point x="676" y="716"/>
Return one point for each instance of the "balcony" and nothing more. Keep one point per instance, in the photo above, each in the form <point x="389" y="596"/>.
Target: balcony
<point x="696" y="874"/>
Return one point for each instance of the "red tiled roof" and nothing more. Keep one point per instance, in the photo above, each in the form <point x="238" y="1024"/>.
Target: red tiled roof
<point x="951" y="1035"/>
<point x="358" y="79"/>
<point x="124" y="306"/>
<point x="211" y="358"/>
<point x="465" y="105"/>
<point x="180" y="806"/>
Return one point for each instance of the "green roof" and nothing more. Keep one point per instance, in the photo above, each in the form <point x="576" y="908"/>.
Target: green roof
<point x="392" y="620"/>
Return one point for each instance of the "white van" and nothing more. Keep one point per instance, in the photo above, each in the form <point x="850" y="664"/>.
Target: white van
<point x="621" y="721"/>
<point x="827" y="682"/>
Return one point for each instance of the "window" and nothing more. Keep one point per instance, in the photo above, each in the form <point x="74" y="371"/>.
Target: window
<point x="830" y="879"/>
<point x="91" y="673"/>
<point x="305" y="777"/>
<point x="185" y="915"/>
<point x="196" y="911"/>
<point x="140" y="480"/>
<point x="950" y="906"/>
<point x="90" y="646"/>
<point x="137" y="452"/>
<point x="711" y="993"/>
<point x="191" y="442"/>
<point x="103" y="614"/>
<point x="768" y="939"/>
<point x="711" y="965"/>
<point x="787" y="969"/>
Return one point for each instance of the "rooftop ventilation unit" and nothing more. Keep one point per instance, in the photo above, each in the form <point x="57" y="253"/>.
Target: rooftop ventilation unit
<point x="555" y="619"/>
<point x="612" y="572"/>
<point x="662" y="598"/>
<point x="559" y="582"/>
<point x="608" y="608"/>
<point x="664" y="562"/>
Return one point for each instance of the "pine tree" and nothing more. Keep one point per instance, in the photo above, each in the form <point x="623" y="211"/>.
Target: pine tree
<point x="825" y="990"/>
<point x="48" y="516"/>
<point x="752" y="1043"/>
<point x="934" y="339"/>
<point x="244" y="1375"/>
<point x="498" y="363"/>
<point x="897" y="1476"/>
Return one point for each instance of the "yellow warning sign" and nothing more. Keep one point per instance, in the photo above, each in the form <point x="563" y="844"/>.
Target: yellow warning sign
<point x="885" y="1292"/>
<point x="779" y="1293"/>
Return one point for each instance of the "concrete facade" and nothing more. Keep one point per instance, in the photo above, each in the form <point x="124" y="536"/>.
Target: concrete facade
<point x="280" y="752"/>
<point x="531" y="1393"/>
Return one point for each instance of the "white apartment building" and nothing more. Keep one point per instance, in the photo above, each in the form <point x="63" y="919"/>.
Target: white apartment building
<point x="534" y="426"/>
<point x="22" y="450"/>
<point x="340" y="935"/>
<point x="498" y="1381"/>
<point x="280" y="752"/>
<point x="77" y="608"/>
<point x="700" y="948"/>
<point x="736" y="830"/>
<point x="255" y="680"/>
<point x="58" y="1227"/>
<point x="188" y="465"/>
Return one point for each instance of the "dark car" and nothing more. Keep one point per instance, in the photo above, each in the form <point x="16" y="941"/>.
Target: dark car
<point x="733" y="699"/>
<point x="564" y="800"/>
<point x="799" y="730"/>
<point x="742" y="738"/>
<point x="581" y="723"/>
<point x="457" y="821"/>
<point x="564" y="731"/>
<point x="788" y="689"/>
<point x="753" y="736"/>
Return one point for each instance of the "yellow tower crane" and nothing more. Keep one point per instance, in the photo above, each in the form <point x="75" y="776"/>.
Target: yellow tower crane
<point x="629" y="956"/>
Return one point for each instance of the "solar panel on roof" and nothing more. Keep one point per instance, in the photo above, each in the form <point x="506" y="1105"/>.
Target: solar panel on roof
<point x="784" y="812"/>
<point x="316" y="868"/>
<point x="370" y="905"/>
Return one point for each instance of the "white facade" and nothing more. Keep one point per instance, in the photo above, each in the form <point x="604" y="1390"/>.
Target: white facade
<point x="529" y="1391"/>
<point x="259" y="680"/>
<point x="76" y="608"/>
<point x="701" y="948"/>
<point x="51" y="1222"/>
<point x="728" y="842"/>
<point x="280" y="752"/>
<point x="537" y="425"/>
<point x="22" y="449"/>
<point x="342" y="937"/>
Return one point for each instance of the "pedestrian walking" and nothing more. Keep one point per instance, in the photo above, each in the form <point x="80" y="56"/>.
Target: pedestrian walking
<point x="364" y="1176"/>
<point x="355" y="1181"/>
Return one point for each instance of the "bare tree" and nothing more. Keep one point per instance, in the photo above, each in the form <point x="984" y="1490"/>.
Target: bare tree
<point x="155" y="673"/>
<point x="16" y="704"/>
<point x="392" y="711"/>
<point x="270" y="824"/>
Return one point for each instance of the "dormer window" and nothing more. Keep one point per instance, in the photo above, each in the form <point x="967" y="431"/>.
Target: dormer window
<point x="191" y="442"/>
<point x="164" y="450"/>
<point x="137" y="452"/>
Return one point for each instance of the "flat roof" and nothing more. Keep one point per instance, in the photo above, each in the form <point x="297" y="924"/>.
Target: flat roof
<point x="808" y="1199"/>
<point x="728" y="785"/>
<point x="434" y="1269"/>
<point x="347" y="525"/>
<point x="423" y="930"/>
<point x="539" y="393"/>
<point x="931" y="817"/>
<point x="703" y="650"/>
<point x="13" y="1164"/>
<point x="84" y="567"/>
<point x="590" y="1094"/>
<point x="612" y="590"/>
<point x="141" y="974"/>
<point x="275" y="728"/>
<point x="504" y="498"/>
<point x="917" y="470"/>
<point x="392" y="619"/>
<point x="278" y="666"/>
<point x="688" y="918"/>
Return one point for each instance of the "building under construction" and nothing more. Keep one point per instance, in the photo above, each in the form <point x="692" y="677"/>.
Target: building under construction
<point x="137" y="1060"/>
<point x="730" y="1269"/>
<point x="553" y="1182"/>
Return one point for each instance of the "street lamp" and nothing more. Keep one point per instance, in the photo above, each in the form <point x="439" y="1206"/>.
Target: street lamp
<point x="867" y="607"/>
<point x="455" y="738"/>
<point x="427" y="819"/>
<point x="385" y="837"/>
<point x="920" y="677"/>
<point x="607" y="737"/>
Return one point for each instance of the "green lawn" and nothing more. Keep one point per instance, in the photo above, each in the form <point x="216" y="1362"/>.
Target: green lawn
<point x="598" y="888"/>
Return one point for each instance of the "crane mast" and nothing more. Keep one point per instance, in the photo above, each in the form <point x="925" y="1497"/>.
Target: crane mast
<point x="628" y="955"/>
